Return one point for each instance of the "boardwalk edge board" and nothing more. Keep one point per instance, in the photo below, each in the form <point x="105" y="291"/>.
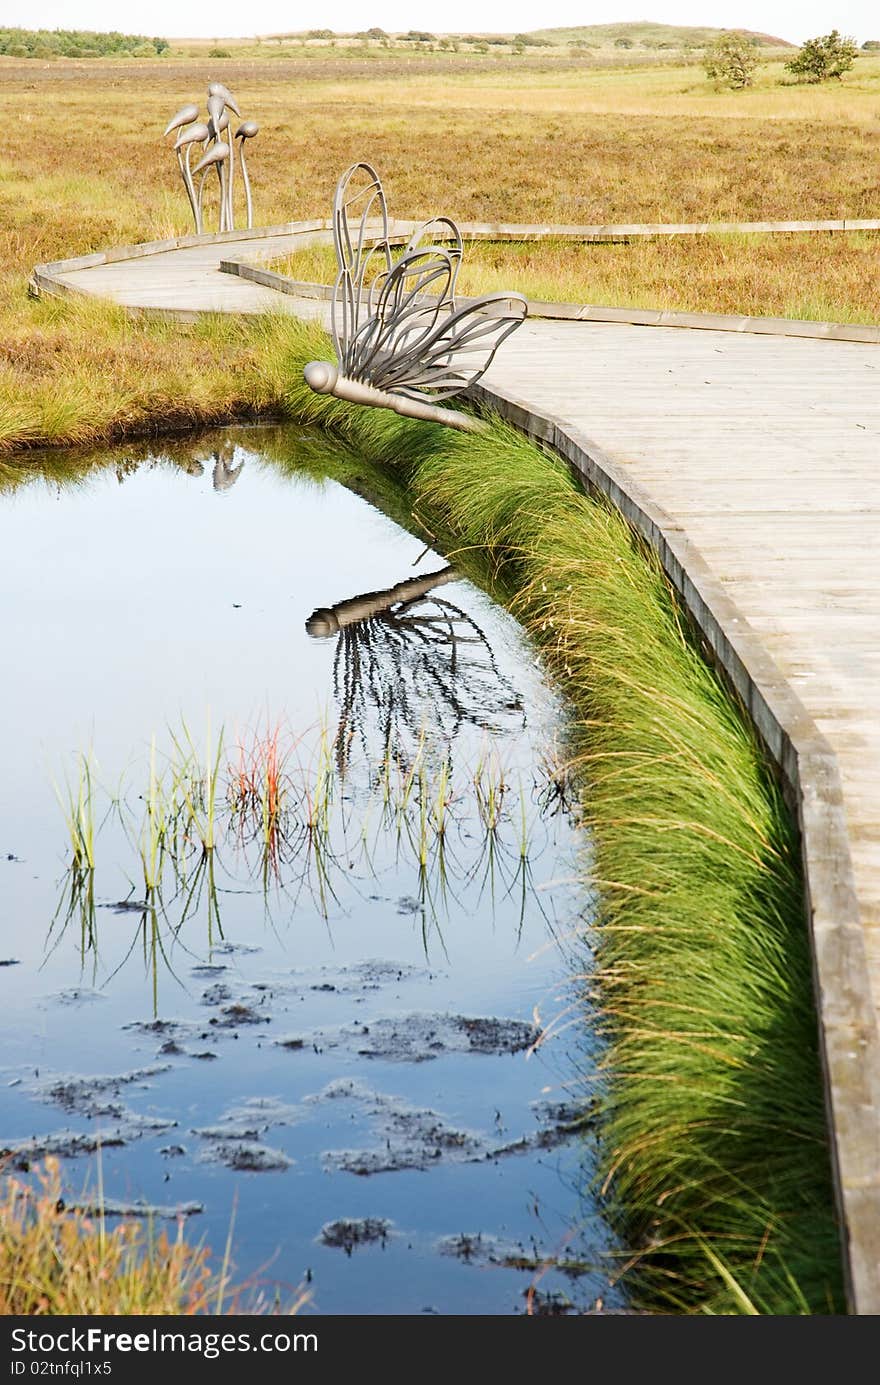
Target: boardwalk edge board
<point x="592" y="312"/>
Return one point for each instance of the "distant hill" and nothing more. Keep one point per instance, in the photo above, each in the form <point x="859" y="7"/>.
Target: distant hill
<point x="646" y="35"/>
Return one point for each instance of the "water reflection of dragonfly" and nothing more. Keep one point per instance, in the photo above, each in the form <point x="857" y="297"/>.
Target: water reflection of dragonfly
<point x="406" y="660"/>
<point x="224" y="474"/>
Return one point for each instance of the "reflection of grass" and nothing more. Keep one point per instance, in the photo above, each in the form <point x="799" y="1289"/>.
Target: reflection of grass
<point x="291" y="817"/>
<point x="713" y="1126"/>
<point x="79" y="812"/>
<point x="77" y="902"/>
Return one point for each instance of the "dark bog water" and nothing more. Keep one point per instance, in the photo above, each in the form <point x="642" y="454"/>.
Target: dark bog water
<point x="324" y="1026"/>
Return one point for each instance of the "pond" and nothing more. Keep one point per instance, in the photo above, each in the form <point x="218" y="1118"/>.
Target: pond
<point x="292" y="901"/>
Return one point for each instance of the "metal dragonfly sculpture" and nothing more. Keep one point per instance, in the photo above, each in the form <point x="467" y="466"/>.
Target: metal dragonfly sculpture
<point x="218" y="152"/>
<point x="401" y="342"/>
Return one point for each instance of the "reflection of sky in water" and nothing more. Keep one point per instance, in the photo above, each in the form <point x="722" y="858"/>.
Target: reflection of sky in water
<point x="128" y="607"/>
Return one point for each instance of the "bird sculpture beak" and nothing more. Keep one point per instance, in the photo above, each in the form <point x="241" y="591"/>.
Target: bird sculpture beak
<point x="218" y="89"/>
<point x="185" y="116"/>
<point x="194" y="135"/>
<point x="213" y="156"/>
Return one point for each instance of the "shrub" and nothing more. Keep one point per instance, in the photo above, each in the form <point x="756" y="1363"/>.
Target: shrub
<point x="732" y="59"/>
<point x="74" y="43"/>
<point x="823" y="58"/>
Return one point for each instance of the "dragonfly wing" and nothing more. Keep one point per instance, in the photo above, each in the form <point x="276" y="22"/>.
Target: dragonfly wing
<point x="411" y="300"/>
<point x="453" y="351"/>
<point x="360" y="239"/>
<point x="440" y="229"/>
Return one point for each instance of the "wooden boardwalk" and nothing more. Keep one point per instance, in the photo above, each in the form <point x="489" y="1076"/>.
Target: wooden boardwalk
<point x="752" y="462"/>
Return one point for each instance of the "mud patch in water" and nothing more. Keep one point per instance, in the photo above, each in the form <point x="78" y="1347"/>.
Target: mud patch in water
<point x="408" y="1137"/>
<point x="114" y="1207"/>
<point x="235" y="1141"/>
<point x="91" y="1098"/>
<point x="246" y="1156"/>
<point x="250" y="1120"/>
<point x="71" y="1144"/>
<point x="348" y="1233"/>
<point x="419" y="1038"/>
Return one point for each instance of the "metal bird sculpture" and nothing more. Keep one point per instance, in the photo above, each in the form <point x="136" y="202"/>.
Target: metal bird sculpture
<point x="216" y="157"/>
<point x="184" y="116"/>
<point x="401" y="342"/>
<point x="216" y="142"/>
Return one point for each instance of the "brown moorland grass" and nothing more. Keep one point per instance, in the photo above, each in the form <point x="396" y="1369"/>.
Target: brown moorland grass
<point x="84" y="166"/>
<point x="59" y="1260"/>
<point x="818" y="276"/>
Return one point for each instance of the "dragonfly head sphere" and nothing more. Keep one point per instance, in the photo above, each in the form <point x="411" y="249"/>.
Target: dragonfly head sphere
<point x="321" y="376"/>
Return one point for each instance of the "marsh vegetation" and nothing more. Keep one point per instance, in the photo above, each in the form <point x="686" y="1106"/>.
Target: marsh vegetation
<point x="573" y="142"/>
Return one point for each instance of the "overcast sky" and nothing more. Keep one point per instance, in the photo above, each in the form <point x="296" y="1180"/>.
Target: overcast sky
<point x="791" y="19"/>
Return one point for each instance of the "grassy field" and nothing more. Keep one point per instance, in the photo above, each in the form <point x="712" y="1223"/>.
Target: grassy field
<point x="535" y="138"/>
<point x="818" y="276"/>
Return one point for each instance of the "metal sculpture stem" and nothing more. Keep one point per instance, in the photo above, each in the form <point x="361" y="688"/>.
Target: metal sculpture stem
<point x="199" y="222"/>
<point x="230" y="190"/>
<point x="191" y="191"/>
<point x="324" y="378"/>
<point x="329" y="620"/>
<point x="247" y="187"/>
<point x="224" y="210"/>
<point x="183" y="165"/>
